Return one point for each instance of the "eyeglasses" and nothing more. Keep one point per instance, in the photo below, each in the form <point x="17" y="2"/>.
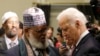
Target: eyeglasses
<point x="13" y="22"/>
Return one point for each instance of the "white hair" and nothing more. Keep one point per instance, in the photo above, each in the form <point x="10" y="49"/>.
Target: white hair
<point x="73" y="14"/>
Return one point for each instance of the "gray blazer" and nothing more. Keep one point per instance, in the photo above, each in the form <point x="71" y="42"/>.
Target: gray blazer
<point x="3" y="46"/>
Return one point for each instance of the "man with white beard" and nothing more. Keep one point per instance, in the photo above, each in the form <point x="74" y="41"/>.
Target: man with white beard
<point x="34" y="42"/>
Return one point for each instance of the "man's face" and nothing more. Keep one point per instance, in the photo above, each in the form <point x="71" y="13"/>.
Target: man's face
<point x="37" y="36"/>
<point x="69" y="31"/>
<point x="11" y="26"/>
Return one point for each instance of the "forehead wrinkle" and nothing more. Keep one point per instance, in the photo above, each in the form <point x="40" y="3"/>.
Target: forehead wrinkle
<point x="63" y="21"/>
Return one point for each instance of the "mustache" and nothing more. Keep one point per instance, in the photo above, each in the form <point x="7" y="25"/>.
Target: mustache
<point x="14" y="28"/>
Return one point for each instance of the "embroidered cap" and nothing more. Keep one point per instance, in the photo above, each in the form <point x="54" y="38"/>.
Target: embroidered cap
<point x="33" y="17"/>
<point x="7" y="15"/>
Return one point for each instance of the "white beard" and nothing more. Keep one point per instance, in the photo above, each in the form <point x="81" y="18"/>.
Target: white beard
<point x="36" y="44"/>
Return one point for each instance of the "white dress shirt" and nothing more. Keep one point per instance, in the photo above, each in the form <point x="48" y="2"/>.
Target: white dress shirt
<point x="8" y="41"/>
<point x="50" y="42"/>
<point x="82" y="35"/>
<point x="37" y="52"/>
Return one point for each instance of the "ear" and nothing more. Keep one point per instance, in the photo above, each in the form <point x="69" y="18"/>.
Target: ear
<point x="26" y="32"/>
<point x="4" y="26"/>
<point x="77" y="24"/>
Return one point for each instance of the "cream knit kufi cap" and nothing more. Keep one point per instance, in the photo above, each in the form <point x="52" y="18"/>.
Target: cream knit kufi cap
<point x="33" y="17"/>
<point x="7" y="15"/>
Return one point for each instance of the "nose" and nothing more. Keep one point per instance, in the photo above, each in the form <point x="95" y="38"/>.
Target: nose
<point x="43" y="33"/>
<point x="14" y="24"/>
<point x="63" y="32"/>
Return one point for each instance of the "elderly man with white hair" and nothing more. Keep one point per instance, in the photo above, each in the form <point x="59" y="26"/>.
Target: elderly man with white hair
<point x="10" y="24"/>
<point x="72" y="22"/>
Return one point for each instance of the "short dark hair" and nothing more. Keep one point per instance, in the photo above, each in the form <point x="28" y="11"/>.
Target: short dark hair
<point x="2" y="31"/>
<point x="59" y="31"/>
<point x="49" y="27"/>
<point x="20" y="25"/>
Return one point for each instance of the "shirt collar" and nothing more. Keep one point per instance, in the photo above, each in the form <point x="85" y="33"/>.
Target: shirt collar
<point x="8" y="41"/>
<point x="82" y="36"/>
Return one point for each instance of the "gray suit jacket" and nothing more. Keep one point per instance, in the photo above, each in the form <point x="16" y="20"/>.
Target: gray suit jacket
<point x="3" y="46"/>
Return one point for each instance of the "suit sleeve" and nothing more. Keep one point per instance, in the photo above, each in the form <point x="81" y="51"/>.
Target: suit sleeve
<point x="92" y="52"/>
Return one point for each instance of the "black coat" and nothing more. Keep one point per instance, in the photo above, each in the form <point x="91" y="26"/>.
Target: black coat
<point x="88" y="46"/>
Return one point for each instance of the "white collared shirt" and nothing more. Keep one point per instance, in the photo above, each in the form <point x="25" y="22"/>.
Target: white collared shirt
<point x="50" y="42"/>
<point x="82" y="35"/>
<point x="37" y="53"/>
<point x="8" y="41"/>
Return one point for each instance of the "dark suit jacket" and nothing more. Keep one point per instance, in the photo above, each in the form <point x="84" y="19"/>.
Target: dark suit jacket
<point x="88" y="46"/>
<point x="3" y="46"/>
<point x="20" y="50"/>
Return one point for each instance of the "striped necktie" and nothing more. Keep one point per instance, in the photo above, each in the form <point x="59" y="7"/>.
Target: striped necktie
<point x="40" y="52"/>
<point x="12" y="44"/>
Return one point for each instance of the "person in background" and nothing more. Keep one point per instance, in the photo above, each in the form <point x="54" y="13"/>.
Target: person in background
<point x="94" y="29"/>
<point x="72" y="22"/>
<point x="49" y="36"/>
<point x="59" y="40"/>
<point x="20" y="30"/>
<point x="2" y="31"/>
<point x="97" y="32"/>
<point x="34" y="42"/>
<point x="10" y="24"/>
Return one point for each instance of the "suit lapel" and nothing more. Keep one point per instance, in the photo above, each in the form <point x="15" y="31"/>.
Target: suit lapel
<point x="78" y="47"/>
<point x="3" y="45"/>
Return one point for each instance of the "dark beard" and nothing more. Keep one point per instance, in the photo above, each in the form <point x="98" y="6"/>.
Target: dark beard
<point x="9" y="35"/>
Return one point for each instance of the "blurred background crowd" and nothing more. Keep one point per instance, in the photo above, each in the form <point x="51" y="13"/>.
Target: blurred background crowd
<point x="54" y="34"/>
